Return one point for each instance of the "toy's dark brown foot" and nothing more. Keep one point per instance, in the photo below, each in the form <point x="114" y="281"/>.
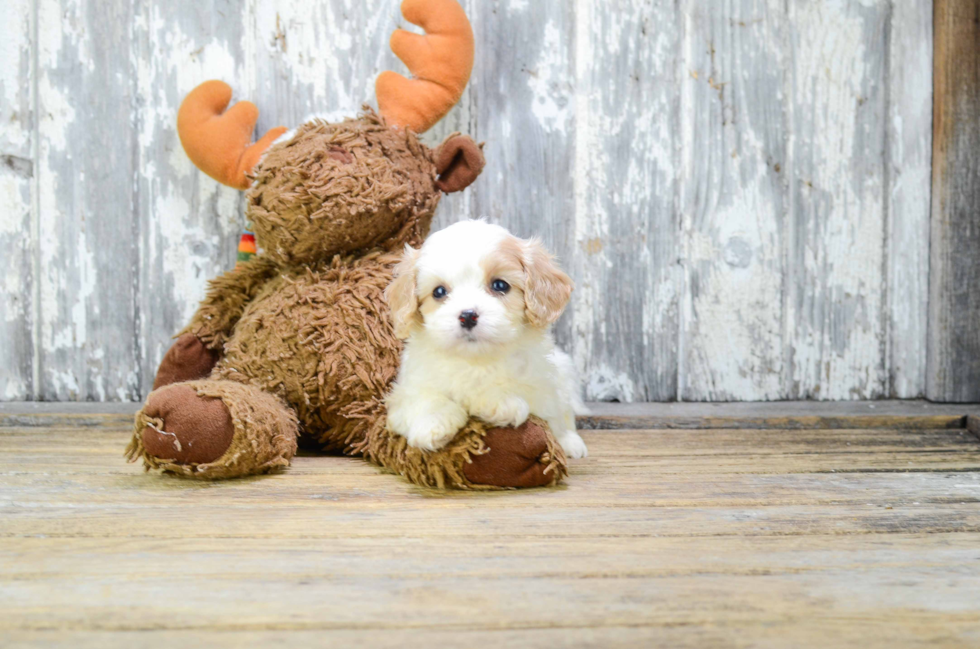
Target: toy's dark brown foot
<point x="213" y="429"/>
<point x="478" y="457"/>
<point x="194" y="430"/>
<point x="188" y="359"/>
<point x="515" y="457"/>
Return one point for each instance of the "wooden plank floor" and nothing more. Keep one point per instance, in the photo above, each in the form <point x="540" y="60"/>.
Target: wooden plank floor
<point x="749" y="535"/>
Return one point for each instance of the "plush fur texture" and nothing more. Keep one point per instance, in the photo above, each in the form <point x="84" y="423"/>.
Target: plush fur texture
<point x="338" y="188"/>
<point x="318" y="337"/>
<point x="476" y="305"/>
<point x="302" y="333"/>
<point x="535" y="460"/>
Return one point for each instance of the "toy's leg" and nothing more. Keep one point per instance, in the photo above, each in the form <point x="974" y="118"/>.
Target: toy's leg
<point x="213" y="429"/>
<point x="478" y="457"/>
<point x="188" y="359"/>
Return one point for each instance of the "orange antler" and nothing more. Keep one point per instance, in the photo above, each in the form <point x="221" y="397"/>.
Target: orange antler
<point x="217" y="141"/>
<point x="440" y="61"/>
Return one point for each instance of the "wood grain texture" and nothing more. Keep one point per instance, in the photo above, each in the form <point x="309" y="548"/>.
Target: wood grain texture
<point x="954" y="302"/>
<point x="908" y="168"/>
<point x="735" y="200"/>
<point x="86" y="169"/>
<point x="835" y="305"/>
<point x="188" y="223"/>
<point x="918" y="631"/>
<point x="627" y="241"/>
<point x="319" y="57"/>
<point x="683" y="538"/>
<point x="17" y="184"/>
<point x="740" y="189"/>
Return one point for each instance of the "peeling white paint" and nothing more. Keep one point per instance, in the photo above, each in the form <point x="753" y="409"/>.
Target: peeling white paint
<point x="15" y="52"/>
<point x="188" y="252"/>
<point x="181" y="64"/>
<point x="733" y="205"/>
<point x="313" y="48"/>
<point x="838" y="338"/>
<point x="584" y="301"/>
<point x="552" y="103"/>
<point x="606" y="384"/>
<point x="58" y="114"/>
<point x="15" y="205"/>
<point x="909" y="160"/>
<point x="16" y="217"/>
<point x="15" y="389"/>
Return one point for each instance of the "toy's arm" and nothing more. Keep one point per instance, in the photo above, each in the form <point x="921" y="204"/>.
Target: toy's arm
<point x="198" y="347"/>
<point x="227" y="297"/>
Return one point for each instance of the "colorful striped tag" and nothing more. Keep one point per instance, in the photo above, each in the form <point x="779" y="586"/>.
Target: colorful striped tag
<point x="246" y="247"/>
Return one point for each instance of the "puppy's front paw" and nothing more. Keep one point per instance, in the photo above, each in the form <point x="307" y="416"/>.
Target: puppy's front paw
<point x="510" y="410"/>
<point x="427" y="423"/>
<point x="431" y="432"/>
<point x="573" y="445"/>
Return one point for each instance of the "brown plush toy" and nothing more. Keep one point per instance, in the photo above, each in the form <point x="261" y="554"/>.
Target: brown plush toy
<point x="296" y="344"/>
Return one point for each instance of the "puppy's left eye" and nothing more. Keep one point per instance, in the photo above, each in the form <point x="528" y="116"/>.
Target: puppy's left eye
<point x="499" y="286"/>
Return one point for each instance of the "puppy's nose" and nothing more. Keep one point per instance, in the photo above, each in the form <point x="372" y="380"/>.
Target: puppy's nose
<point x="468" y="318"/>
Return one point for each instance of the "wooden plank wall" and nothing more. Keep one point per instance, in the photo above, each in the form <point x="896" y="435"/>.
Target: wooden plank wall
<point x="954" y="312"/>
<point x="18" y="272"/>
<point x="741" y="188"/>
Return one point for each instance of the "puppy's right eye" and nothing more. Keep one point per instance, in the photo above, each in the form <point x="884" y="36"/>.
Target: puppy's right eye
<point x="439" y="292"/>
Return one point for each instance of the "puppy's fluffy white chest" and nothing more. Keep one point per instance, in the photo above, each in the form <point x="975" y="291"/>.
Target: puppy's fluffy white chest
<point x="519" y="370"/>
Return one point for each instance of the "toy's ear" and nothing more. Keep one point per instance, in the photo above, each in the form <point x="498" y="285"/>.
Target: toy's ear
<point x="401" y="296"/>
<point x="459" y="160"/>
<point x="546" y="287"/>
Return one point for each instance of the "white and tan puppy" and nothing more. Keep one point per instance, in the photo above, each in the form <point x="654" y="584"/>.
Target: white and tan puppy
<point x="475" y="305"/>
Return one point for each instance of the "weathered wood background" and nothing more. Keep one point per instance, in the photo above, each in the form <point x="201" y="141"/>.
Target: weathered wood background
<point x="953" y="373"/>
<point x="740" y="188"/>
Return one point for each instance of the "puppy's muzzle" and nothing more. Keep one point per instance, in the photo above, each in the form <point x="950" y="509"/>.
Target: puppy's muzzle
<point x="468" y="318"/>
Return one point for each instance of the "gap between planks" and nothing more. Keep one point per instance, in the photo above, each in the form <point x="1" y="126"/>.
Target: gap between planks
<point x="786" y="415"/>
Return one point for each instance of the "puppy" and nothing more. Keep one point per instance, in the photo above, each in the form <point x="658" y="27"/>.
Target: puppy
<point x="475" y="305"/>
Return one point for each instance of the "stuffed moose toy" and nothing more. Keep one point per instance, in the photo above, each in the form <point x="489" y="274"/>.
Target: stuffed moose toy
<point x="295" y="345"/>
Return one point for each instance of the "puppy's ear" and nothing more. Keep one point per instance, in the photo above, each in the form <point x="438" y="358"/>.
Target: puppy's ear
<point x="546" y="288"/>
<point x="401" y="295"/>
